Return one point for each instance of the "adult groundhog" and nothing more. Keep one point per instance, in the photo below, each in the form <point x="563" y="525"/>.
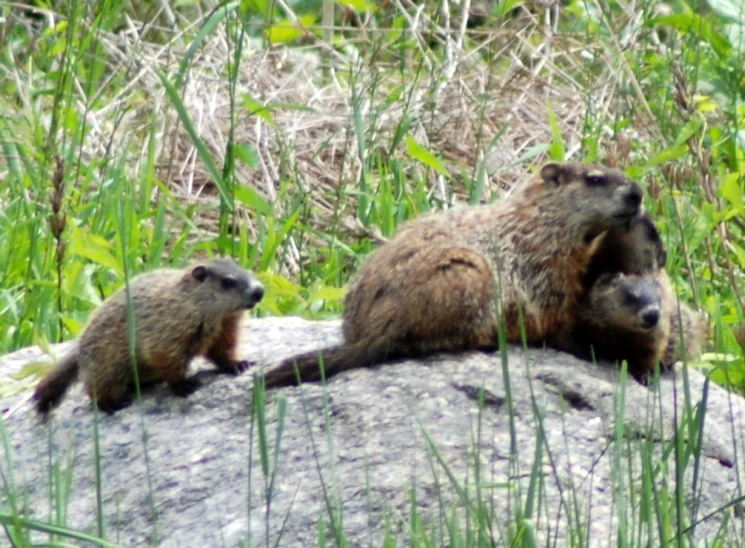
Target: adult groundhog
<point x="446" y="279"/>
<point x="178" y="314"/>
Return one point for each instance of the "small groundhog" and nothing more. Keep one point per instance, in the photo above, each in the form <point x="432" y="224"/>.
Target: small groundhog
<point x="626" y="317"/>
<point x="178" y="314"/>
<point x="635" y="318"/>
<point x="626" y="282"/>
<point x="446" y="279"/>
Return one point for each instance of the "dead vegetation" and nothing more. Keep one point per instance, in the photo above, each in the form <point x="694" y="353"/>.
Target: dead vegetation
<point x="472" y="96"/>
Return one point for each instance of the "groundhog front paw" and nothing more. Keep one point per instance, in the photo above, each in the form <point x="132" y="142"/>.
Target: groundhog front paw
<point x="235" y="367"/>
<point x="185" y="388"/>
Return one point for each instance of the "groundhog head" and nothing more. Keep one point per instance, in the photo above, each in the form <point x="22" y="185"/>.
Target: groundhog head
<point x="598" y="197"/>
<point x="227" y="286"/>
<point x="630" y="302"/>
<point x="642" y="235"/>
<point x="632" y="248"/>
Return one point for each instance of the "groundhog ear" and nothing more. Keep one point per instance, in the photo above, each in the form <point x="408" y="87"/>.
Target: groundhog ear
<point x="199" y="273"/>
<point x="551" y="173"/>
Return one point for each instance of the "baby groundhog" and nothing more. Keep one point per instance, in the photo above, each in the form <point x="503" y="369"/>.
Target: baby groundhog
<point x="635" y="318"/>
<point x="178" y="314"/>
<point x="626" y="317"/>
<point x="446" y="279"/>
<point x="626" y="280"/>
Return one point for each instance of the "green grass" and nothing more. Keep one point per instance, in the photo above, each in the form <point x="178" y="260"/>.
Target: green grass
<point x="112" y="163"/>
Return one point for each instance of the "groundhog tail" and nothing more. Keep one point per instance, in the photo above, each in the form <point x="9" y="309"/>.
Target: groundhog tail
<point x="50" y="391"/>
<point x="335" y="360"/>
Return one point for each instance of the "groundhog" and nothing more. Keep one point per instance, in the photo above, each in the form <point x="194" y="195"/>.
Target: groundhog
<point x="632" y="248"/>
<point x="626" y="282"/>
<point x="178" y="314"/>
<point x="445" y="280"/>
<point x="626" y="317"/>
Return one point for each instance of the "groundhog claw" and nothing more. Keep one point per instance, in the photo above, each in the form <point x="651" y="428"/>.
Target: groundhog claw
<point x="234" y="367"/>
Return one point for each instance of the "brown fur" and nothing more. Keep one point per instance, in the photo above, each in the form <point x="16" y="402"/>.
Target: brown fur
<point x="609" y="320"/>
<point x="632" y="248"/>
<point x="626" y="317"/>
<point x="445" y="280"/>
<point x="178" y="314"/>
<point x="688" y="332"/>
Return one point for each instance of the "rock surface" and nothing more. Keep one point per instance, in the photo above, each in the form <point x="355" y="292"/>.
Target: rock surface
<point x="360" y="444"/>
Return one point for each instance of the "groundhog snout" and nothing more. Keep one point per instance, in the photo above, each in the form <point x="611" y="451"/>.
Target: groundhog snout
<point x="253" y="295"/>
<point x="633" y="198"/>
<point x="649" y="318"/>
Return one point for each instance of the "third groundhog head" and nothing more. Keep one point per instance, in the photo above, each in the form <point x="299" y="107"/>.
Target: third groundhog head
<point x="632" y="248"/>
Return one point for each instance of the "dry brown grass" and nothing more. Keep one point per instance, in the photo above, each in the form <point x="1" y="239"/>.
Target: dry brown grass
<point x="461" y="99"/>
<point x="460" y="87"/>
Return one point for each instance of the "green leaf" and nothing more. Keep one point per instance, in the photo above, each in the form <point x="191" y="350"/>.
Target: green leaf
<point x="418" y="152"/>
<point x="34" y="369"/>
<point x="401" y="129"/>
<point x="705" y="103"/>
<point x="557" y="150"/>
<point x="695" y="24"/>
<point x="505" y="7"/>
<point x="282" y="296"/>
<point x="252" y="199"/>
<point x="359" y="5"/>
<point x="288" y="31"/>
<point x="690" y="129"/>
<point x="259" y="6"/>
<point x="393" y="96"/>
<point x="327" y="293"/>
<point x="278" y="286"/>
<point x="73" y="326"/>
<point x="93" y="248"/>
<point x="668" y="155"/>
<point x="531" y="153"/>
<point x="730" y="189"/>
<point x="246" y="153"/>
<point x="262" y="111"/>
<point x="30" y="524"/>
<point x="739" y="254"/>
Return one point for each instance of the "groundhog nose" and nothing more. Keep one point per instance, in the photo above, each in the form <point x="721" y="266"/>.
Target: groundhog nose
<point x="257" y="294"/>
<point x="650" y="318"/>
<point x="634" y="197"/>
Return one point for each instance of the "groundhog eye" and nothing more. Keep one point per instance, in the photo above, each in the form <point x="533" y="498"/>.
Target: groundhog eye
<point x="595" y="179"/>
<point x="228" y="283"/>
<point x="629" y="298"/>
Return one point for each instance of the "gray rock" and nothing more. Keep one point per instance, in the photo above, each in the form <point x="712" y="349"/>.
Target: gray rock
<point x="375" y="443"/>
